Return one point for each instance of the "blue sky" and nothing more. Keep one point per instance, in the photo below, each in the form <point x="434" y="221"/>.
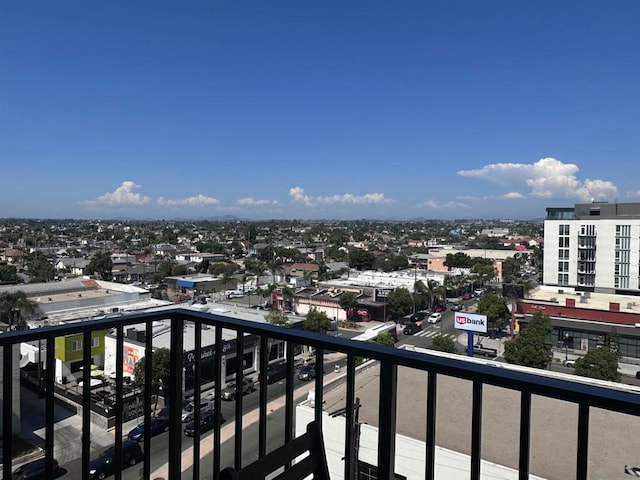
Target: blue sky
<point x="312" y="110"/>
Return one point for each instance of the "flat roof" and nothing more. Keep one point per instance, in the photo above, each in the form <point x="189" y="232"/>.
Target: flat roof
<point x="593" y="301"/>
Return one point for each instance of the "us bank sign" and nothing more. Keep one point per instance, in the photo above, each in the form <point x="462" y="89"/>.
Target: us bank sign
<point x="471" y="322"/>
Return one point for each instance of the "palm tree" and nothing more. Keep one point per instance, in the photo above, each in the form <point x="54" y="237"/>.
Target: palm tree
<point x="12" y="307"/>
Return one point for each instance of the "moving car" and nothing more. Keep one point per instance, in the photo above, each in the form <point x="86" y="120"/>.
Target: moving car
<point x="34" y="470"/>
<point x="230" y="391"/>
<point x="411" y="328"/>
<point x="276" y="371"/>
<point x="440" y="308"/>
<point x="307" y="372"/>
<point x="207" y="422"/>
<point x="158" y="425"/>
<point x="456" y="307"/>
<point x="189" y="409"/>
<point x="467" y="296"/>
<point x="104" y="465"/>
<point x="434" y="317"/>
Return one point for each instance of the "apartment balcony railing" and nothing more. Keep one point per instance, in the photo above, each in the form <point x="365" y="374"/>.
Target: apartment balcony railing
<point x="526" y="384"/>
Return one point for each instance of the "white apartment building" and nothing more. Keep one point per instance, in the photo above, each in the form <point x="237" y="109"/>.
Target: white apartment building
<point x="593" y="247"/>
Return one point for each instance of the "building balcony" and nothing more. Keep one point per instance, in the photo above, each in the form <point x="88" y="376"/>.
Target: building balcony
<point x="432" y="415"/>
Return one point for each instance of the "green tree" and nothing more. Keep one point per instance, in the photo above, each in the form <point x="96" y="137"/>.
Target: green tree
<point x="14" y="306"/>
<point x="458" y="260"/>
<point x="347" y="302"/>
<point x="399" y="303"/>
<point x="495" y="308"/>
<point x="40" y="268"/>
<point x="384" y="339"/>
<point x="9" y="275"/>
<point x="102" y="265"/>
<point x="530" y="348"/>
<point x="361" y="259"/>
<point x="600" y="363"/>
<point x="160" y="370"/>
<point x="443" y="344"/>
<point x="276" y="317"/>
<point x="316" y="321"/>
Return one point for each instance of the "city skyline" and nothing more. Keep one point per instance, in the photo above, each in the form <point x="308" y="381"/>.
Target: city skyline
<point x="373" y="110"/>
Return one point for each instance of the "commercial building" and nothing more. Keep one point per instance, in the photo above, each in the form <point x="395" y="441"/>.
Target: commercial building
<point x="593" y="247"/>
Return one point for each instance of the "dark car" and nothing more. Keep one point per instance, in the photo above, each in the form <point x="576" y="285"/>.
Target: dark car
<point x="411" y="328"/>
<point x="467" y="296"/>
<point x="276" y="371"/>
<point x="638" y="374"/>
<point x="34" y="470"/>
<point x="230" y="391"/>
<point x="104" y="465"/>
<point x="307" y="372"/>
<point x="440" y="308"/>
<point x="416" y="317"/>
<point x="158" y="425"/>
<point x="207" y="422"/>
<point x="456" y="307"/>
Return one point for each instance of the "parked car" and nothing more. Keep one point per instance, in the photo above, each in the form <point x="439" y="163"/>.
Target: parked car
<point x="572" y="364"/>
<point x="158" y="425"/>
<point x="412" y="328"/>
<point x="307" y="372"/>
<point x="230" y="391"/>
<point x="434" y="317"/>
<point x="276" y="371"/>
<point x="638" y="374"/>
<point x="189" y="409"/>
<point x="34" y="470"/>
<point x="104" y="465"/>
<point x="207" y="422"/>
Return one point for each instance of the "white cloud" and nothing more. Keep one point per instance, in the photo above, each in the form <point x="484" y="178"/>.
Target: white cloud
<point x="546" y="178"/>
<point x="252" y="202"/>
<point x="298" y="196"/>
<point x="197" y="201"/>
<point x="442" y="206"/>
<point x="633" y="194"/>
<point x="513" y="195"/>
<point x="120" y="197"/>
<point x="349" y="198"/>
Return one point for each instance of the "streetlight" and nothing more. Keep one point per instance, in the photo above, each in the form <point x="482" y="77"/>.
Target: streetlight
<point x="566" y="346"/>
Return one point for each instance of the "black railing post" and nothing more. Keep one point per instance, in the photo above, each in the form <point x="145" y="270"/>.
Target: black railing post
<point x="430" y="454"/>
<point x="476" y="430"/>
<point x="197" y="394"/>
<point x="7" y="407"/>
<point x="289" y="426"/>
<point x="118" y="405"/>
<point x="387" y="420"/>
<point x="318" y="389"/>
<point x="49" y="399"/>
<point x="148" y="393"/>
<point x="262" y="381"/>
<point x="217" y="401"/>
<point x="350" y="454"/>
<point x="582" y="459"/>
<point x="86" y="400"/>
<point x="525" y="435"/>
<point x="239" y="376"/>
<point x="175" y="399"/>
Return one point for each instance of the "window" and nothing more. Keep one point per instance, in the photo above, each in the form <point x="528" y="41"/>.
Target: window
<point x="95" y="341"/>
<point x="564" y="230"/>
<point x="76" y="345"/>
<point x="370" y="472"/>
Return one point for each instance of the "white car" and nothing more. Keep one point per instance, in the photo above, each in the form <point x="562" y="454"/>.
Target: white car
<point x="569" y="363"/>
<point x="434" y="318"/>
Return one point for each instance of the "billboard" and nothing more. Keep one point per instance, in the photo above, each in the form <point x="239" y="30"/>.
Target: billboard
<point x="471" y="322"/>
<point x="381" y="294"/>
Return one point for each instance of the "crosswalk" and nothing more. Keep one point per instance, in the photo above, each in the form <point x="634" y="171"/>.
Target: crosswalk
<point x="433" y="333"/>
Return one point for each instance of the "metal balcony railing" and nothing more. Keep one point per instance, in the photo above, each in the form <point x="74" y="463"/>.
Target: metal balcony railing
<point x="586" y="396"/>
